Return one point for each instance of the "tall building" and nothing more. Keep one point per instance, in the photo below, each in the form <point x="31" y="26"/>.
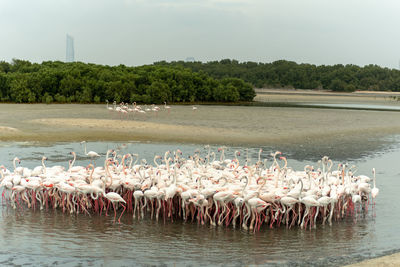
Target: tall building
<point x="70" y="55"/>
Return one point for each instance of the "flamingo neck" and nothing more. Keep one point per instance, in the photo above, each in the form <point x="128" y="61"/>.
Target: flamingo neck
<point x="44" y="167"/>
<point x="200" y="185"/>
<point x="222" y="155"/>
<point x="374" y="180"/>
<point x="137" y="158"/>
<point x="140" y="174"/>
<point x="84" y="144"/>
<point x="108" y="173"/>
<point x="108" y="153"/>
<point x="245" y="186"/>
<point x="130" y="161"/>
<point x="155" y="161"/>
<point x="236" y="152"/>
<point x="301" y="190"/>
<point x="262" y="185"/>
<point x="175" y="174"/>
<point x="277" y="175"/>
<point x="123" y="161"/>
<point x="2" y="174"/>
<point x="91" y="173"/>
<point x="73" y="161"/>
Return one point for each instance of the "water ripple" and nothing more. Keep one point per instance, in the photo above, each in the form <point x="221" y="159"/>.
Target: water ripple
<point x="53" y="238"/>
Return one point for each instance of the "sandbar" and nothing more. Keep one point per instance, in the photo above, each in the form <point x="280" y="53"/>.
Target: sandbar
<point x="389" y="260"/>
<point x="212" y="124"/>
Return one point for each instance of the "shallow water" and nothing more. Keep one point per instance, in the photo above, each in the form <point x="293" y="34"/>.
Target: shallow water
<point x="51" y="237"/>
<point x="356" y="106"/>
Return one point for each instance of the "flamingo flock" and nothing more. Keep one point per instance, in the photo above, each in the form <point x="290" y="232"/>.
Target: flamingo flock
<point x="198" y="187"/>
<point x="126" y="110"/>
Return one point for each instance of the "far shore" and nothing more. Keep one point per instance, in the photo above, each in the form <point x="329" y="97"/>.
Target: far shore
<point x="326" y="92"/>
<point x="324" y="97"/>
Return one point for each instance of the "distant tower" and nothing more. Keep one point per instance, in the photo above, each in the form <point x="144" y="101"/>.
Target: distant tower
<point x="70" y="56"/>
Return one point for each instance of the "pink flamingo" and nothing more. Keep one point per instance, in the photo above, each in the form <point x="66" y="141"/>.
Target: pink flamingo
<point x="115" y="198"/>
<point x="167" y="107"/>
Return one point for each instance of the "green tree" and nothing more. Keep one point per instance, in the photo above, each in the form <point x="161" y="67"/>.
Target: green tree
<point x="19" y="90"/>
<point x="158" y="92"/>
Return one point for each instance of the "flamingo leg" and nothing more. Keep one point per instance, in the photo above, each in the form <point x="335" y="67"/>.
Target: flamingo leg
<point x="119" y="219"/>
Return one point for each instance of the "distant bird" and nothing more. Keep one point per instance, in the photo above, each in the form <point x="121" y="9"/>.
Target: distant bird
<point x="90" y="154"/>
<point x="166" y="107"/>
<point x="375" y="190"/>
<point x="109" y="108"/>
<point x="194" y="108"/>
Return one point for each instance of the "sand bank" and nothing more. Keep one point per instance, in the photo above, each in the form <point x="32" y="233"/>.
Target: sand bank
<point x="5" y="129"/>
<point x="209" y="124"/>
<point x="390" y="260"/>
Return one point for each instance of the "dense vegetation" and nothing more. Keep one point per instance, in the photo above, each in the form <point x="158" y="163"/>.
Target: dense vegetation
<point x="54" y="81"/>
<point x="178" y="81"/>
<point x="288" y="74"/>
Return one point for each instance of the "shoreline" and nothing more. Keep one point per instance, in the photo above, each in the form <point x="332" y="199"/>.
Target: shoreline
<point x="213" y="124"/>
<point x="326" y="92"/>
<point x="283" y="126"/>
<point x="382" y="261"/>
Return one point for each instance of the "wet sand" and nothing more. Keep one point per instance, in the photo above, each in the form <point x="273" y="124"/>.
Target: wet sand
<point x="390" y="260"/>
<point x="231" y="125"/>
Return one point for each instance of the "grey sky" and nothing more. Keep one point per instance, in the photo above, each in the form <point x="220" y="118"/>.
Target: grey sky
<point x="136" y="32"/>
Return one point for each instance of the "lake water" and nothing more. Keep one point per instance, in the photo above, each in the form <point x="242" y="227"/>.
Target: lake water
<point x="355" y="106"/>
<point x="52" y="237"/>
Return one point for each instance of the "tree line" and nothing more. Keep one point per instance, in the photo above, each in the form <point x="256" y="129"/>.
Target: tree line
<point x="53" y="81"/>
<point x="288" y="74"/>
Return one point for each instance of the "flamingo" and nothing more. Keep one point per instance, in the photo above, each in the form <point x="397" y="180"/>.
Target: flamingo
<point x="167" y="107"/>
<point x="109" y="108"/>
<point x="115" y="198"/>
<point x="375" y="190"/>
<point x="91" y="154"/>
<point x="193" y="188"/>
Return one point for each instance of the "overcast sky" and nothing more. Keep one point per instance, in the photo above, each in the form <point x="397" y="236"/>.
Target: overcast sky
<point x="137" y="32"/>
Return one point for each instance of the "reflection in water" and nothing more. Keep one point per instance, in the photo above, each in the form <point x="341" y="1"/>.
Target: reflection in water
<point x="52" y="237"/>
<point x="50" y="234"/>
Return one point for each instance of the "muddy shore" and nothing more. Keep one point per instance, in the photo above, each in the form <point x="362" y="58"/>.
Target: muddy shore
<point x="389" y="260"/>
<point x="231" y="125"/>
